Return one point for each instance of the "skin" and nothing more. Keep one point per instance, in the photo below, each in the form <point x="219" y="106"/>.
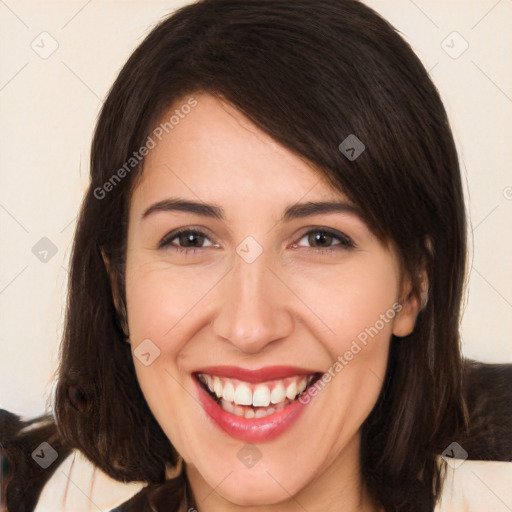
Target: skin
<point x="204" y="305"/>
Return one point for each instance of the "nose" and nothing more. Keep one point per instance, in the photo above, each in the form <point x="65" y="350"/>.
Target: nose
<point x="254" y="308"/>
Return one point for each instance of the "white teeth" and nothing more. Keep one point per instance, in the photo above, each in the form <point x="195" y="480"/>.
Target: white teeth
<point x="280" y="406"/>
<point x="239" y="411"/>
<point x="278" y="394"/>
<point x="259" y="413"/>
<point x="291" y="390"/>
<point x="243" y="394"/>
<point x="261" y="396"/>
<point x="229" y="392"/>
<point x="228" y="406"/>
<point x="217" y="387"/>
<point x="262" y="412"/>
<point x="248" y="412"/>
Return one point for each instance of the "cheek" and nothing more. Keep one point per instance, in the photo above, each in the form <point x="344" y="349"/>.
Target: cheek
<point x="353" y="301"/>
<point x="357" y="305"/>
<point x="161" y="299"/>
<point x="157" y="307"/>
<point x="164" y="306"/>
<point x="356" y="309"/>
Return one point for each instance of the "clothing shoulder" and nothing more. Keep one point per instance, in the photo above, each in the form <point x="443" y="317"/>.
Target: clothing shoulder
<point x="41" y="474"/>
<point x="475" y="486"/>
<point x="79" y="486"/>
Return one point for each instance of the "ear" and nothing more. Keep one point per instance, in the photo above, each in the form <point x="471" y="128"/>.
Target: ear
<point x="118" y="304"/>
<point x="413" y="299"/>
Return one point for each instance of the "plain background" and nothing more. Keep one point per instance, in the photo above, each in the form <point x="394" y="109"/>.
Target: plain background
<point x="48" y="107"/>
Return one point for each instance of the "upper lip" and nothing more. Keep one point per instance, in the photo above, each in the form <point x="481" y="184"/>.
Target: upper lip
<point x="255" y="375"/>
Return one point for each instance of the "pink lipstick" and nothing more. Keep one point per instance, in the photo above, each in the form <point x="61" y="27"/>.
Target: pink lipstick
<point x="253" y="405"/>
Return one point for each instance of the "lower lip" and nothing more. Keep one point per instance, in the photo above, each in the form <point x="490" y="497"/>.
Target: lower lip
<point x="250" y="430"/>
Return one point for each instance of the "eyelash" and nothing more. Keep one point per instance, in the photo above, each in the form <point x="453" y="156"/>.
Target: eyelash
<point x="345" y="241"/>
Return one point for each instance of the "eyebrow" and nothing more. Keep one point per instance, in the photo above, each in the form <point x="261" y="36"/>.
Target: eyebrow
<point x="294" y="211"/>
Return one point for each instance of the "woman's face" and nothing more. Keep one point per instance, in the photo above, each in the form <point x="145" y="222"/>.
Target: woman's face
<point x="263" y="290"/>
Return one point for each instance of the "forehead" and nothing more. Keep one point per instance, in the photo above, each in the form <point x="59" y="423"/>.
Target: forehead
<point x="214" y="151"/>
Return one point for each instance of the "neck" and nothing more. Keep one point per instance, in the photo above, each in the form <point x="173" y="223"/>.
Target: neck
<point x="339" y="487"/>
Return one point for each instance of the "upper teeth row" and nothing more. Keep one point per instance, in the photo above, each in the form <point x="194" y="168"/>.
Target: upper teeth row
<point x="262" y="396"/>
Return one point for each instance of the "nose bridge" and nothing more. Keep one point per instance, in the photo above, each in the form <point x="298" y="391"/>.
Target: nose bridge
<point x="253" y="310"/>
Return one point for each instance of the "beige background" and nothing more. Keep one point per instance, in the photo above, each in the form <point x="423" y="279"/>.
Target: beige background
<point x="48" y="107"/>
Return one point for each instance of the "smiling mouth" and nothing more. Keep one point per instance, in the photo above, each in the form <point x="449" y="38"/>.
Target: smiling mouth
<point x="255" y="400"/>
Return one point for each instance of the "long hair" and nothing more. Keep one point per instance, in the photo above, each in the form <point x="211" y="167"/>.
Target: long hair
<point x="309" y="74"/>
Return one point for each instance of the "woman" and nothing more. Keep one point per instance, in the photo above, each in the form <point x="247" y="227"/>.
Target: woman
<point x="267" y="270"/>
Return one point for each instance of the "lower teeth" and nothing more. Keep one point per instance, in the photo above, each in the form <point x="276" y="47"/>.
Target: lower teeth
<point x="252" y="412"/>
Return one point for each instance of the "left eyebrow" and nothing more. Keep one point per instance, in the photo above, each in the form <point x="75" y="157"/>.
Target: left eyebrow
<point x="308" y="209"/>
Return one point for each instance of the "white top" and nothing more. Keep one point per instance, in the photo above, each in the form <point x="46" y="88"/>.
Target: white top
<point x="470" y="486"/>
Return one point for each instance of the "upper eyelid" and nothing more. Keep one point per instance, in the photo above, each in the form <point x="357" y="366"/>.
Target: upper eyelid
<point x="333" y="231"/>
<point x="194" y="229"/>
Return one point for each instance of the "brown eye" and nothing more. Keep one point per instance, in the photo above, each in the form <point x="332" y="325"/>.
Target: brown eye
<point x="320" y="238"/>
<point x="327" y="239"/>
<point x="191" y="239"/>
<point x="186" y="238"/>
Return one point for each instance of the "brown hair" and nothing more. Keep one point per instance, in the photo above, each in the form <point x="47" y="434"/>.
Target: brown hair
<point x="308" y="74"/>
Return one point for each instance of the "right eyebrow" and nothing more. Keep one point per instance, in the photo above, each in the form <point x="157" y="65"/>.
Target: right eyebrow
<point x="177" y="204"/>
